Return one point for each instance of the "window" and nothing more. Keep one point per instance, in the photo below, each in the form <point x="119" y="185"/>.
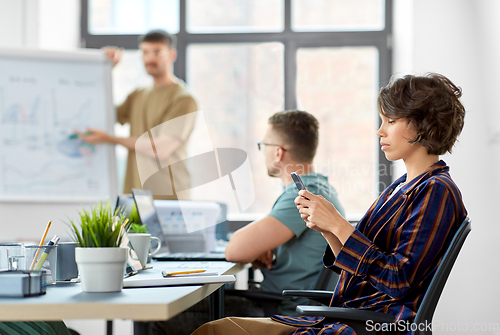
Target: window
<point x="234" y="16"/>
<point x="108" y="17"/>
<point x="337" y="15"/>
<point x="245" y="87"/>
<point x="245" y="60"/>
<point x="339" y="85"/>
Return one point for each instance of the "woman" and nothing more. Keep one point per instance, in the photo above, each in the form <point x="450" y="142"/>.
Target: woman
<point x="389" y="259"/>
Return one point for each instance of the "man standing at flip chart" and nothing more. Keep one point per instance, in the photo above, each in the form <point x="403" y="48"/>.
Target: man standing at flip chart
<point x="146" y="108"/>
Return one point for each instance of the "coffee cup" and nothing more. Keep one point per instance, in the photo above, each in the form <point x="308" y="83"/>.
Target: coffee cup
<point x="141" y="244"/>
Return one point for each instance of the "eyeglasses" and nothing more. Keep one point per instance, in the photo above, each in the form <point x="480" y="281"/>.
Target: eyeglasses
<point x="154" y="52"/>
<point x="260" y="146"/>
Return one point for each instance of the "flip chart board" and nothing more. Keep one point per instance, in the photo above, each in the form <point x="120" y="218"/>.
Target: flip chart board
<point x="45" y="96"/>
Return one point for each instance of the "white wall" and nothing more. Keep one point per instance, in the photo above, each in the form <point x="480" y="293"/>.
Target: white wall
<point x="459" y="38"/>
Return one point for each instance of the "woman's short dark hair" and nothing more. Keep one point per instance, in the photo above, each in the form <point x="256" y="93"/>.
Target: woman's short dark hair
<point x="299" y="132"/>
<point x="432" y="106"/>
<point x="159" y="35"/>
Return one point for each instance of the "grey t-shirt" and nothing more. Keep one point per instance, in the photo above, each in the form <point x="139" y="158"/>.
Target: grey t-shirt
<point x="299" y="260"/>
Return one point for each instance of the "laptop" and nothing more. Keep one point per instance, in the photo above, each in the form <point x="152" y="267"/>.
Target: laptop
<point x="126" y="202"/>
<point x="147" y="213"/>
<point x="149" y="216"/>
<point x="190" y="256"/>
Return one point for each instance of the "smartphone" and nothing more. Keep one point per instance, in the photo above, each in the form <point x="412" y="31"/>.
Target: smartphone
<point x="298" y="181"/>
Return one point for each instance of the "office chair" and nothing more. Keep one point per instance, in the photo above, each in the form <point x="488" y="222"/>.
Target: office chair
<point x="357" y="319"/>
<point x="271" y="301"/>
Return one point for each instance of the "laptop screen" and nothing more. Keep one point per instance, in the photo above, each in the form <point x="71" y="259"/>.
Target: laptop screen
<point x="147" y="212"/>
<point x="125" y="202"/>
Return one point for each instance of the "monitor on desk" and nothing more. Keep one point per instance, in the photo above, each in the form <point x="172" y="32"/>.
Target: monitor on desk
<point x="149" y="216"/>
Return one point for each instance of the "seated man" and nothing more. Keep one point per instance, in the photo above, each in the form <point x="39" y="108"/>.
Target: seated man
<point x="288" y="254"/>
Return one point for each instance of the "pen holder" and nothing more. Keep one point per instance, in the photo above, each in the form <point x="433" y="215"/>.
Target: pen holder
<point x="42" y="258"/>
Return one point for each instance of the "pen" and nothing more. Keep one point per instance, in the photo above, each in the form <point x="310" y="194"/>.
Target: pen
<point x="188" y="273"/>
<point x="41" y="244"/>
<point x="130" y="274"/>
<point x="46" y="252"/>
<point x="184" y="272"/>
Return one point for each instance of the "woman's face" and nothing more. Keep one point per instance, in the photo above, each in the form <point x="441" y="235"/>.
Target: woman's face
<point x="395" y="135"/>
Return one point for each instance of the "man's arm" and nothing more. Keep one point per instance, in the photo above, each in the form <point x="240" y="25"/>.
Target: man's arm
<point x="257" y="238"/>
<point x="168" y="143"/>
<point x="96" y="136"/>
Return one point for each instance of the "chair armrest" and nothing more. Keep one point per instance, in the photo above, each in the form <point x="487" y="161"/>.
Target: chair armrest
<point x="320" y="296"/>
<point x="357" y="319"/>
<point x="308" y="293"/>
<point x="255" y="295"/>
<point x="348" y="314"/>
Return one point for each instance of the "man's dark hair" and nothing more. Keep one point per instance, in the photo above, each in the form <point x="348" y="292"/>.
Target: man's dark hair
<point x="159" y="35"/>
<point x="299" y="132"/>
<point x="432" y="107"/>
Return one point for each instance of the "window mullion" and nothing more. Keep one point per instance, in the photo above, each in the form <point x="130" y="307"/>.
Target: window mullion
<point x="182" y="43"/>
<point x="288" y="16"/>
<point x="290" y="74"/>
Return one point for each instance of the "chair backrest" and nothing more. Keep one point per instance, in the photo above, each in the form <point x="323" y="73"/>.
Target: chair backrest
<point x="431" y="298"/>
<point x="325" y="281"/>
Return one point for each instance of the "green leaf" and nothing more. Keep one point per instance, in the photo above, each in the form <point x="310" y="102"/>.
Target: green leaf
<point x="97" y="228"/>
<point x="138" y="228"/>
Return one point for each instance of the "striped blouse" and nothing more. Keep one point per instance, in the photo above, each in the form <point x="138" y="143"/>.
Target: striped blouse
<point x="388" y="262"/>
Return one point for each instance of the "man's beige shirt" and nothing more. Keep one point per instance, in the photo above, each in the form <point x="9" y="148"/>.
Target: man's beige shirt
<point x="146" y="108"/>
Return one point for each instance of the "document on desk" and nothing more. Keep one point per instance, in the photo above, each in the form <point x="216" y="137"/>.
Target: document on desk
<point x="177" y="281"/>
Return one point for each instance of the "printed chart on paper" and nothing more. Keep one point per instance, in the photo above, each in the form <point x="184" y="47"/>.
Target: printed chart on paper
<point x="42" y="104"/>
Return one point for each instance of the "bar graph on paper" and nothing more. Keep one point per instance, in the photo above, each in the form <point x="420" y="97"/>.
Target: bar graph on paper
<point x="42" y="104"/>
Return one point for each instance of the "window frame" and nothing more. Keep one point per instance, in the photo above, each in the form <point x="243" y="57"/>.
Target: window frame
<point x="292" y="41"/>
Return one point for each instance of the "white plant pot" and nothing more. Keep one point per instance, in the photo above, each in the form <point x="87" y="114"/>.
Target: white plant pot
<point x="101" y="269"/>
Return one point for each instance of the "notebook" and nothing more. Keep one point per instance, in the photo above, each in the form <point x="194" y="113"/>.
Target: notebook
<point x="177" y="281"/>
<point x="22" y="283"/>
<point x="190" y="256"/>
<point x="149" y="216"/>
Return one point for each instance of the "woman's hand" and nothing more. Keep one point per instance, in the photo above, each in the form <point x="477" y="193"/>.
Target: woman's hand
<point x="309" y="224"/>
<point x="321" y="215"/>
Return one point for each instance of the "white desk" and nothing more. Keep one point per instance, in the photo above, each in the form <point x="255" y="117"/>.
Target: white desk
<point x="67" y="301"/>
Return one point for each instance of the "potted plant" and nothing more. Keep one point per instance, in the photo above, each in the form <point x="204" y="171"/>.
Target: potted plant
<point x="100" y="258"/>
<point x="137" y="228"/>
